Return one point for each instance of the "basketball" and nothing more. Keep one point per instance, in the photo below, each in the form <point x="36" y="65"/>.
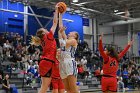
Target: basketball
<point x="62" y="7"/>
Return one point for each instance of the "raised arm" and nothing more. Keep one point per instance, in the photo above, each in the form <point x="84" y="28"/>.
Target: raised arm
<point x="60" y="26"/>
<point x="101" y="50"/>
<point x="125" y="49"/>
<point x="55" y="20"/>
<point x="61" y="32"/>
<point x="60" y="21"/>
<point x="64" y="36"/>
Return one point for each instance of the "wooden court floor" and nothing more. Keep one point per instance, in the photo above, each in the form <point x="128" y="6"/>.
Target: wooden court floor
<point x="117" y="92"/>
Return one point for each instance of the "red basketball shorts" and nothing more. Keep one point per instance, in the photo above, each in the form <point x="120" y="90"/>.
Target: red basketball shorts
<point x="109" y="84"/>
<point x="57" y="84"/>
<point x="45" y="68"/>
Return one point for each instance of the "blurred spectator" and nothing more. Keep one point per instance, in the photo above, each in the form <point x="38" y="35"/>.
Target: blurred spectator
<point x="7" y="44"/>
<point x="120" y="84"/>
<point x="81" y="71"/>
<point x="98" y="73"/>
<point x="119" y="72"/>
<point x="125" y="77"/>
<point x="1" y="79"/>
<point x="84" y="62"/>
<point x="6" y="84"/>
<point x="134" y="71"/>
<point x="2" y="40"/>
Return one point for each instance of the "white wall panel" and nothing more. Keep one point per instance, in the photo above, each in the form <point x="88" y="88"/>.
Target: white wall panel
<point x="136" y="25"/>
<point x="88" y="39"/>
<point x="88" y="34"/>
<point x="88" y="29"/>
<point x="121" y="40"/>
<point x="135" y="44"/>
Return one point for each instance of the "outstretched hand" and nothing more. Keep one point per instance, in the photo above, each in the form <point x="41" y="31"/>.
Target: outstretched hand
<point x="131" y="42"/>
<point x="56" y="6"/>
<point x="62" y="29"/>
<point x="56" y="9"/>
<point x="101" y="36"/>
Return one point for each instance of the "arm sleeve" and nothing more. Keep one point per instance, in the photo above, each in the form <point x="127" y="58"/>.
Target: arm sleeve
<point x="124" y="51"/>
<point x="101" y="50"/>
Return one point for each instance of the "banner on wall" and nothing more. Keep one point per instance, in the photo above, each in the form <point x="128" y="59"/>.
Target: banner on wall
<point x="85" y="21"/>
<point x="139" y="43"/>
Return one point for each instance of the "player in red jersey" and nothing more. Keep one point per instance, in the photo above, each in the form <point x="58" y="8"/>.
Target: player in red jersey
<point x="110" y="66"/>
<point x="56" y="83"/>
<point x="47" y="41"/>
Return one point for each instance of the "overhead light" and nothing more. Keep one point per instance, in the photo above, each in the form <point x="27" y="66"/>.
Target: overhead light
<point x="119" y="13"/>
<point x="75" y="1"/>
<point x="6" y="23"/>
<point x="15" y="15"/>
<point x="115" y="11"/>
<point x="68" y="20"/>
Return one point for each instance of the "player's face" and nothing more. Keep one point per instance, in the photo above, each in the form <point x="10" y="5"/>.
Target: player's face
<point x="58" y="51"/>
<point x="72" y="34"/>
<point x="7" y="76"/>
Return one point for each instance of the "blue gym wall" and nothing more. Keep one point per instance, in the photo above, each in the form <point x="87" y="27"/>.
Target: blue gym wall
<point x="76" y="25"/>
<point x="14" y="24"/>
<point x="139" y="43"/>
<point x="32" y="22"/>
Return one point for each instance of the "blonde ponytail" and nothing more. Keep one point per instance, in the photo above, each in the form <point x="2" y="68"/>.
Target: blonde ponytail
<point x="35" y="41"/>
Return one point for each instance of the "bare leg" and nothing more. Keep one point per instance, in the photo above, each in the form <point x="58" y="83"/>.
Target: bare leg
<point x="66" y="85"/>
<point x="45" y="83"/>
<point x="55" y="91"/>
<point x="61" y="90"/>
<point x="72" y="83"/>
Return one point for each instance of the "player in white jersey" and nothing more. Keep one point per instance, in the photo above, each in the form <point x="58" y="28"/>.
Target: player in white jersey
<point x="68" y="66"/>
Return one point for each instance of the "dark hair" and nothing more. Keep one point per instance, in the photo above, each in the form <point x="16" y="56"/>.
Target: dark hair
<point x="112" y="52"/>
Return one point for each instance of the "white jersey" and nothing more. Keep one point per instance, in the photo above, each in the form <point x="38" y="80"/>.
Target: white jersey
<point x="68" y="65"/>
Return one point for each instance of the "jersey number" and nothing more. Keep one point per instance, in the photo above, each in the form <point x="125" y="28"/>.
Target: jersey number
<point x="113" y="63"/>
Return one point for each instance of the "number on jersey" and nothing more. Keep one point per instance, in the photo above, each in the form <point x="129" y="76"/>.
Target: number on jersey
<point x="113" y="63"/>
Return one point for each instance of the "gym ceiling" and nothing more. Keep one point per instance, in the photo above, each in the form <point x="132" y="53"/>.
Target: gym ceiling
<point x="114" y="9"/>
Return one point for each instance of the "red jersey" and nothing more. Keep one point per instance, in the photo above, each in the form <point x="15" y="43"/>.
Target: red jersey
<point x="56" y="73"/>
<point x="110" y="66"/>
<point x="49" y="46"/>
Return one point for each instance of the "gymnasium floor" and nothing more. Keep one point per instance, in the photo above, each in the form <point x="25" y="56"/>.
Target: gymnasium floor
<point x="117" y="92"/>
<point x="129" y="91"/>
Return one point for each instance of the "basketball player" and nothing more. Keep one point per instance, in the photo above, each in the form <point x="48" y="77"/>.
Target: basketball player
<point x="68" y="65"/>
<point x="48" y="43"/>
<point x="56" y="83"/>
<point x="110" y="66"/>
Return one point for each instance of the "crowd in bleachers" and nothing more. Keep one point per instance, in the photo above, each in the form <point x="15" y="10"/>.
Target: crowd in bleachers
<point x="22" y="56"/>
<point x="26" y="57"/>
